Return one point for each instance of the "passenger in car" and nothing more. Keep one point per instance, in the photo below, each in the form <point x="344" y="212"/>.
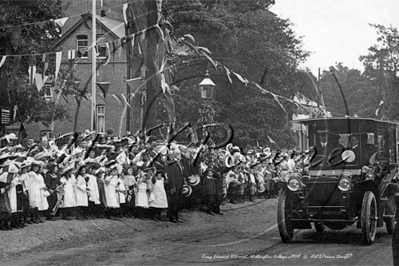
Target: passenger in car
<point x="361" y="156"/>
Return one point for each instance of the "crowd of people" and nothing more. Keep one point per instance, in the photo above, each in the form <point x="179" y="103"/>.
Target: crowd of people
<point x="90" y="176"/>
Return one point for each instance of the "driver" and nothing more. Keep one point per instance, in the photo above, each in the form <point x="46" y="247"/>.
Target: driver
<point x="327" y="144"/>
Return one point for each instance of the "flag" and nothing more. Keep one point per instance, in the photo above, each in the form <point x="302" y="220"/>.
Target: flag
<point x="22" y="133"/>
<point x="104" y="86"/>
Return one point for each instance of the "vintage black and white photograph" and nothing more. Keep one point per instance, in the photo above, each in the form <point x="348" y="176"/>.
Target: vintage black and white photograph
<point x="199" y="132"/>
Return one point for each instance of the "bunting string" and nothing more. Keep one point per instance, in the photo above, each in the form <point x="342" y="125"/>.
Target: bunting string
<point x="63" y="19"/>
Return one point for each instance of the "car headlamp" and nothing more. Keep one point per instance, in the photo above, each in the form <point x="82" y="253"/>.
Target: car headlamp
<point x="344" y="184"/>
<point x="294" y="184"/>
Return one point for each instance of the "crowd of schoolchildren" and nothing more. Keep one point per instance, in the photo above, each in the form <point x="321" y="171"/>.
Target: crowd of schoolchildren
<point x="89" y="177"/>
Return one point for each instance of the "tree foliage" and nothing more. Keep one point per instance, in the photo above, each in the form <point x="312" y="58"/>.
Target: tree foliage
<point x="359" y="92"/>
<point x="381" y="66"/>
<point x="22" y="34"/>
<point x="250" y="40"/>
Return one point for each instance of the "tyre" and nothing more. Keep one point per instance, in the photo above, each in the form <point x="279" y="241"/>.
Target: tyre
<point x="319" y="227"/>
<point x="285" y="227"/>
<point x="369" y="216"/>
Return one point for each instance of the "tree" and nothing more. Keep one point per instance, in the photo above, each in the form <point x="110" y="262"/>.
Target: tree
<point x="359" y="92"/>
<point x="381" y="65"/>
<point x="251" y="41"/>
<point x="26" y="29"/>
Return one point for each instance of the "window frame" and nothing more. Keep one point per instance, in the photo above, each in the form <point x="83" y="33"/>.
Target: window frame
<point x="82" y="38"/>
<point x="100" y="115"/>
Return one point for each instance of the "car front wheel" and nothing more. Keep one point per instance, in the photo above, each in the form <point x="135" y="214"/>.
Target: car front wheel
<point x="285" y="227"/>
<point x="369" y="217"/>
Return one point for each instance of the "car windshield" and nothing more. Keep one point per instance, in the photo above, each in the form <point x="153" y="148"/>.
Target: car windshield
<point x="349" y="143"/>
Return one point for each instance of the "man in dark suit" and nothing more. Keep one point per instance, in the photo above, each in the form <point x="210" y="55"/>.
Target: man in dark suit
<point x="325" y="144"/>
<point x="174" y="173"/>
<point x="361" y="156"/>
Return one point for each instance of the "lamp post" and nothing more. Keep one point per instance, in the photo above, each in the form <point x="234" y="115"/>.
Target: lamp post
<point x="207" y="93"/>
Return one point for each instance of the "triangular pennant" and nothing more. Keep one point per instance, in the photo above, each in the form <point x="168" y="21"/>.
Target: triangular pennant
<point x="44" y="65"/>
<point x="3" y="59"/>
<point x="58" y="57"/>
<point x="39" y="81"/>
<point x="85" y="18"/>
<point x="61" y="21"/>
<point x="32" y="72"/>
<point x="135" y="84"/>
<point x="125" y="6"/>
<point x="104" y="86"/>
<point x="41" y="25"/>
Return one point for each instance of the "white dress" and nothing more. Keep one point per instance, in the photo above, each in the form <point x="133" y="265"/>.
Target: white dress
<point x="110" y="184"/>
<point x="141" y="195"/>
<point x="69" y="192"/>
<point x="37" y="198"/>
<point x="121" y="187"/>
<point x="158" y="200"/>
<point x="80" y="192"/>
<point x="12" y="193"/>
<point x="93" y="189"/>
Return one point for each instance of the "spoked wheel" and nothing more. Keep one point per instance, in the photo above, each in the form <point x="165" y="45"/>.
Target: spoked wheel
<point x="319" y="227"/>
<point x="369" y="218"/>
<point x="285" y="227"/>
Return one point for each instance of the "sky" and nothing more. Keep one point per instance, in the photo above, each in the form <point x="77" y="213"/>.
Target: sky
<point x="337" y="30"/>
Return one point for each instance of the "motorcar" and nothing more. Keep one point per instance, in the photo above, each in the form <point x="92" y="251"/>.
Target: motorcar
<point x="335" y="189"/>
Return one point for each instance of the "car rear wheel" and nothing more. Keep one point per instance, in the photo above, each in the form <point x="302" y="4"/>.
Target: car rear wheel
<point x="369" y="218"/>
<point x="285" y="227"/>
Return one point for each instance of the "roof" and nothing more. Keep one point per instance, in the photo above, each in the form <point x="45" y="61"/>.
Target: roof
<point x="352" y="119"/>
<point x="115" y="27"/>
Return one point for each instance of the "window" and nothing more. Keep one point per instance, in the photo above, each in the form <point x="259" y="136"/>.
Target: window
<point x="100" y="118"/>
<point x="101" y="48"/>
<point x="82" y="43"/>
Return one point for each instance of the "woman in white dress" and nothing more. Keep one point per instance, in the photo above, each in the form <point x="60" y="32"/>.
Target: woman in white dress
<point x="111" y="196"/>
<point x="67" y="192"/>
<point x="82" y="201"/>
<point x="158" y="200"/>
<point x="141" y="189"/>
<point x="37" y="192"/>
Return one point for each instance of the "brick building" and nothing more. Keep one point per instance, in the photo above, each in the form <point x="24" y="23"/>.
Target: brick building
<point x="76" y="35"/>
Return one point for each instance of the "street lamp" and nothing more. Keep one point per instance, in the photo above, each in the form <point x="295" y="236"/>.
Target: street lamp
<point x="207" y="94"/>
<point x="207" y="88"/>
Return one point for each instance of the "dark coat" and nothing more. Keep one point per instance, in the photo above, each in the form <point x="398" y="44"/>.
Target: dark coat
<point x="175" y="176"/>
<point x="361" y="155"/>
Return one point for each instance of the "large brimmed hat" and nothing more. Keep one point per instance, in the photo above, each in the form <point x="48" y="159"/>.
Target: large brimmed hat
<point x="67" y="169"/>
<point x="193" y="180"/>
<point x="186" y="190"/>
